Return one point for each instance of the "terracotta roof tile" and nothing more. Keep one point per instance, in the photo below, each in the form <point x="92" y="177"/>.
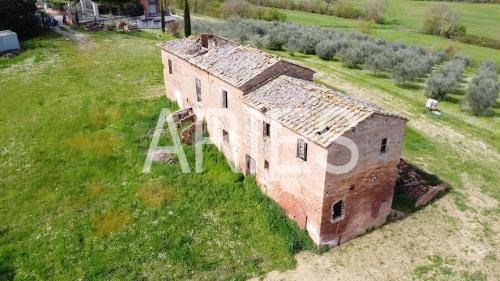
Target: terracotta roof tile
<point x="229" y="61"/>
<point x="313" y="111"/>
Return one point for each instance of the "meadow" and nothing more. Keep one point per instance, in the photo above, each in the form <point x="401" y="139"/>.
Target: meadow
<point x="74" y="123"/>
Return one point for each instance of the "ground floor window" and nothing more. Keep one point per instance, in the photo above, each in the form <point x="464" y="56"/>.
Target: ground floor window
<point x="338" y="211"/>
<point x="225" y="136"/>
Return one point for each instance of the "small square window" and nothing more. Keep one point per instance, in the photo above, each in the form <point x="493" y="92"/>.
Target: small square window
<point x="225" y="136"/>
<point x="224" y="98"/>
<point x="170" y="69"/>
<point x="383" y="146"/>
<point x="266" y="165"/>
<point x="338" y="211"/>
<point x="267" y="129"/>
<point x="302" y="149"/>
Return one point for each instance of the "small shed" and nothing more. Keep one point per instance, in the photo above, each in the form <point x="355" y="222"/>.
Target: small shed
<point x="8" y="41"/>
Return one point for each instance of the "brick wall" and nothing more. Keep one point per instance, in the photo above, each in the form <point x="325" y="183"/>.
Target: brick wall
<point x="303" y="188"/>
<point x="368" y="189"/>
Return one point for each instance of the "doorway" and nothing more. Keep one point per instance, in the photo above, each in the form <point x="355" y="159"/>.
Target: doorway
<point x="251" y="166"/>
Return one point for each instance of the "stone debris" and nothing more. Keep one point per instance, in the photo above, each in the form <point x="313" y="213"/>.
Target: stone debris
<point x="415" y="186"/>
<point x="162" y="155"/>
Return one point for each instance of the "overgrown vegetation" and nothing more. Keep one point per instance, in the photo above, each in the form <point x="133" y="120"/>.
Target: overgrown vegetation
<point x="75" y="206"/>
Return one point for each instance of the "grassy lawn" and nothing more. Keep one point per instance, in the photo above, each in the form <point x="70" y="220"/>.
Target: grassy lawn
<point x="73" y="201"/>
<point x="410" y="34"/>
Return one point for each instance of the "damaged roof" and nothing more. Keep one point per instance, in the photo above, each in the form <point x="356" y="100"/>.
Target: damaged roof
<point x="311" y="110"/>
<point x="229" y="61"/>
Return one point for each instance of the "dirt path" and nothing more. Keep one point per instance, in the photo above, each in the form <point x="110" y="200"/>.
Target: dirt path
<point x="76" y="36"/>
<point x="471" y="146"/>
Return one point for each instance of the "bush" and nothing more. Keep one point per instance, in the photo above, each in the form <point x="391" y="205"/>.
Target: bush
<point x="273" y="14"/>
<point x="20" y="17"/>
<point x="482" y="91"/>
<point x="345" y="10"/>
<point x="131" y="8"/>
<point x="326" y="49"/>
<point x="57" y="4"/>
<point x="375" y="9"/>
<point x="441" y="20"/>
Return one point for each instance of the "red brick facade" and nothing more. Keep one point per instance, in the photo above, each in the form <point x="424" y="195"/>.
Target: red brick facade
<point x="305" y="189"/>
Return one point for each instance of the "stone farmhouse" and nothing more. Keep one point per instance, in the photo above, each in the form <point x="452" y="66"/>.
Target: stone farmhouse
<point x="269" y="119"/>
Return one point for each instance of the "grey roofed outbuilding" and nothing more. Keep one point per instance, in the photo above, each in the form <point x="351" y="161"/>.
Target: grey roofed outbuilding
<point x="8" y="41"/>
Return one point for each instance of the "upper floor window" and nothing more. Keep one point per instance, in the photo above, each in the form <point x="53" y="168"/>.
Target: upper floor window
<point x="266" y="165"/>
<point x="383" y="145"/>
<point x="267" y="129"/>
<point x="170" y="69"/>
<point x="224" y="98"/>
<point x="302" y="149"/>
<point x="198" y="89"/>
<point x="225" y="136"/>
<point x="338" y="211"/>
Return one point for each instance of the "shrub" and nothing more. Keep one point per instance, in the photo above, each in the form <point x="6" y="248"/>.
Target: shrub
<point x="19" y="16"/>
<point x="366" y="26"/>
<point x="130" y="8"/>
<point x="375" y="9"/>
<point x="442" y="20"/>
<point x="482" y="91"/>
<point x="345" y="10"/>
<point x="326" y="49"/>
<point x="273" y="14"/>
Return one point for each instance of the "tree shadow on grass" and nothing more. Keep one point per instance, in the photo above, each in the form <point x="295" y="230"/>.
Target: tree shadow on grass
<point x="7" y="269"/>
<point x="409" y="86"/>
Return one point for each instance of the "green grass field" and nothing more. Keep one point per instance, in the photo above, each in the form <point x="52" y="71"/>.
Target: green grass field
<point x="74" y="122"/>
<point x="480" y="19"/>
<point x="73" y="201"/>
<point x="405" y="19"/>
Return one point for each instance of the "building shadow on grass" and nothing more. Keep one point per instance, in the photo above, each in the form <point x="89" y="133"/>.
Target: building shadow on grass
<point x="415" y="189"/>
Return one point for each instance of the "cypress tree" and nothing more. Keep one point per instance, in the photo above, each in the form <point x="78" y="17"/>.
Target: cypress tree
<point x="162" y="15"/>
<point x="187" y="19"/>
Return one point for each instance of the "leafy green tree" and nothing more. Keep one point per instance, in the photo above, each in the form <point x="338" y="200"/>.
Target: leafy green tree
<point x="187" y="19"/>
<point x="20" y="17"/>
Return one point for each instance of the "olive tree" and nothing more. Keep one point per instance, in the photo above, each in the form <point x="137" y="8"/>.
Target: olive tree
<point x="482" y="91"/>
